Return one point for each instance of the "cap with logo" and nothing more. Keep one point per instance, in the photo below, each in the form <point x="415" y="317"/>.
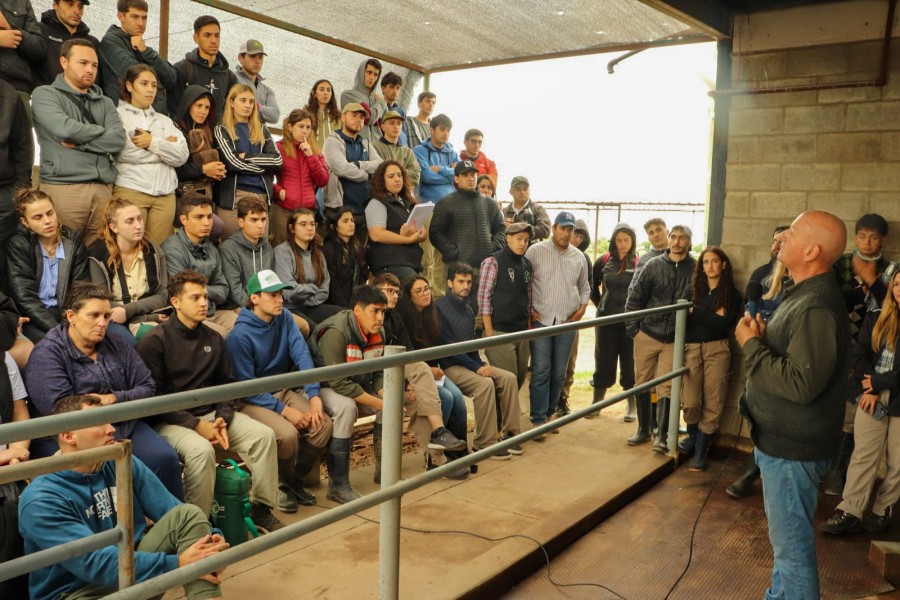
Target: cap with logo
<point x="464" y="166"/>
<point x="519" y="180"/>
<point x="252" y="47"/>
<point x="354" y="107"/>
<point x="266" y="281"/>
<point x="565" y="219"/>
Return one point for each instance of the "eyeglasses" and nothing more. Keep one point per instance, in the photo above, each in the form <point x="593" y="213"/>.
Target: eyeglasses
<point x="390" y="291"/>
<point x="421" y="291"/>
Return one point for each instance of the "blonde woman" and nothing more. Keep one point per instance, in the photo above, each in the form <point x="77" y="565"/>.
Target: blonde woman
<point x="876" y="424"/>
<point x="132" y="268"/>
<point x="153" y="149"/>
<point x="249" y="153"/>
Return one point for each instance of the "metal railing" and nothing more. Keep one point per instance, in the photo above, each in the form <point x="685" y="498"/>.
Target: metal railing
<point x="392" y="488"/>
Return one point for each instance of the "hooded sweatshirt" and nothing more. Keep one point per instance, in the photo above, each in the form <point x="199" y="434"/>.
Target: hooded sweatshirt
<point x="434" y="186"/>
<point x="351" y="161"/>
<point x="362" y="95"/>
<point x="191" y="170"/>
<point x="67" y="506"/>
<point x="304" y="293"/>
<point x="609" y="287"/>
<point x="217" y="79"/>
<point x="117" y="56"/>
<point x="260" y="349"/>
<point x="150" y="170"/>
<point x="182" y="253"/>
<point x="15" y="63"/>
<point x="265" y="97"/>
<point x="55" y="33"/>
<point x="241" y="259"/>
<point x="97" y="133"/>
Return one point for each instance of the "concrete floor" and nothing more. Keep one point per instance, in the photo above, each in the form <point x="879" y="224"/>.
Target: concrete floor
<point x="553" y="487"/>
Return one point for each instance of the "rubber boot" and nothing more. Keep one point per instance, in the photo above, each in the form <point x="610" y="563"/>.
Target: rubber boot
<point x="661" y="445"/>
<point x="376" y="445"/>
<point x="688" y="443"/>
<point x="698" y="463"/>
<point x="307" y="457"/>
<point x="654" y="425"/>
<point x="744" y="485"/>
<point x="834" y="480"/>
<point x="599" y="395"/>
<point x="643" y="415"/>
<point x="631" y="411"/>
<point x="338" y="461"/>
<point x="287" y="500"/>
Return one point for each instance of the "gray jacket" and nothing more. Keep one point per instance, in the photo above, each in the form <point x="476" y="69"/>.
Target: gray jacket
<point x="335" y="152"/>
<point x="58" y="119"/>
<point x="117" y="56"/>
<point x="240" y="260"/>
<point x="304" y="293"/>
<point x="268" y="105"/>
<point x="182" y="253"/>
<point x="359" y="93"/>
<point x="797" y="375"/>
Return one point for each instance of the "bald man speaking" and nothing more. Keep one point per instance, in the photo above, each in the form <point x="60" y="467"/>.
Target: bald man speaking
<point x="796" y="369"/>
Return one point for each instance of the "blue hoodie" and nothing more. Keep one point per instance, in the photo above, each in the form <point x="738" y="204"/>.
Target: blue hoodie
<point x="434" y="186"/>
<point x="66" y="506"/>
<point x="260" y="349"/>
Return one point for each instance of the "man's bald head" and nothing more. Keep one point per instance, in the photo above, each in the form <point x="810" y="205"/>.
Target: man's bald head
<point x="815" y="240"/>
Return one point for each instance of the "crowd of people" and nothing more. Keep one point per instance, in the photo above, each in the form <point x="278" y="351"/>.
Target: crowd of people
<point x="173" y="244"/>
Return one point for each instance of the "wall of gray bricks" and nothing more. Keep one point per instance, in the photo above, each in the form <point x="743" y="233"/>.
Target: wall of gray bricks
<point x="836" y="150"/>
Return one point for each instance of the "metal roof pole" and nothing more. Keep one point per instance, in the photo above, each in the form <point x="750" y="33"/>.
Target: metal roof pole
<point x="391" y="454"/>
<point x="164" y="29"/>
<point x="426" y="81"/>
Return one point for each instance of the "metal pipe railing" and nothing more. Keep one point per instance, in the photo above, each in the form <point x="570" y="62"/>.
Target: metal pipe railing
<point x="137" y="409"/>
<point x="392" y="415"/>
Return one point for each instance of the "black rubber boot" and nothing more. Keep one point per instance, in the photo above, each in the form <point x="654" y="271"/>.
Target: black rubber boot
<point x="599" y="395"/>
<point x="286" y="501"/>
<point x="661" y="446"/>
<point x="644" y="409"/>
<point x="307" y="458"/>
<point x="834" y="480"/>
<point x="687" y="444"/>
<point x="698" y="463"/>
<point x="744" y="485"/>
<point x="338" y="461"/>
<point x="376" y="446"/>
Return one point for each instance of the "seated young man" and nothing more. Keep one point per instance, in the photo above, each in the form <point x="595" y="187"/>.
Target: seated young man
<point x="423" y="406"/>
<point x="350" y="335"/>
<point x="184" y="354"/>
<point x="191" y="248"/>
<point x="266" y="342"/>
<point x="70" y="505"/>
<point x="486" y="385"/>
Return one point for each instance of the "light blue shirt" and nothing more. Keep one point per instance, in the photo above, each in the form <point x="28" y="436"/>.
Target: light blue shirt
<point x="50" y="276"/>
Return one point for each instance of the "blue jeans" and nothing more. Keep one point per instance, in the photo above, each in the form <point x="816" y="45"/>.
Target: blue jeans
<point x="122" y="332"/>
<point x="453" y="405"/>
<point x="549" y="360"/>
<point x="790" y="494"/>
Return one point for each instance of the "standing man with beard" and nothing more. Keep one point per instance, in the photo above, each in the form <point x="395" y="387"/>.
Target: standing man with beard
<point x="58" y="24"/>
<point x="663" y="281"/>
<point x="560" y="292"/>
<point x="123" y="47"/>
<point x="205" y="65"/>
<point x="796" y="366"/>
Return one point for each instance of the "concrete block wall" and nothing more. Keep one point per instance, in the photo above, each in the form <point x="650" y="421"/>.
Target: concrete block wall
<point x="836" y="150"/>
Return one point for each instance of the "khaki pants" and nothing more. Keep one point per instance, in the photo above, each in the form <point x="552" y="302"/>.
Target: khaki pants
<point x="427" y="402"/>
<point x="158" y="212"/>
<point x="222" y="321"/>
<point x="486" y="392"/>
<point x="870" y="437"/>
<point x="229" y="217"/>
<point x="252" y="440"/>
<point x="510" y="357"/>
<point x="171" y="535"/>
<point x="80" y="206"/>
<point x="278" y="220"/>
<point x="653" y="359"/>
<point x="433" y="267"/>
<point x="287" y="438"/>
<point x="705" y="386"/>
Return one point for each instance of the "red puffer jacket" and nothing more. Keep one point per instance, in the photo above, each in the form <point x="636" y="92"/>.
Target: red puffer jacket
<point x="299" y="177"/>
